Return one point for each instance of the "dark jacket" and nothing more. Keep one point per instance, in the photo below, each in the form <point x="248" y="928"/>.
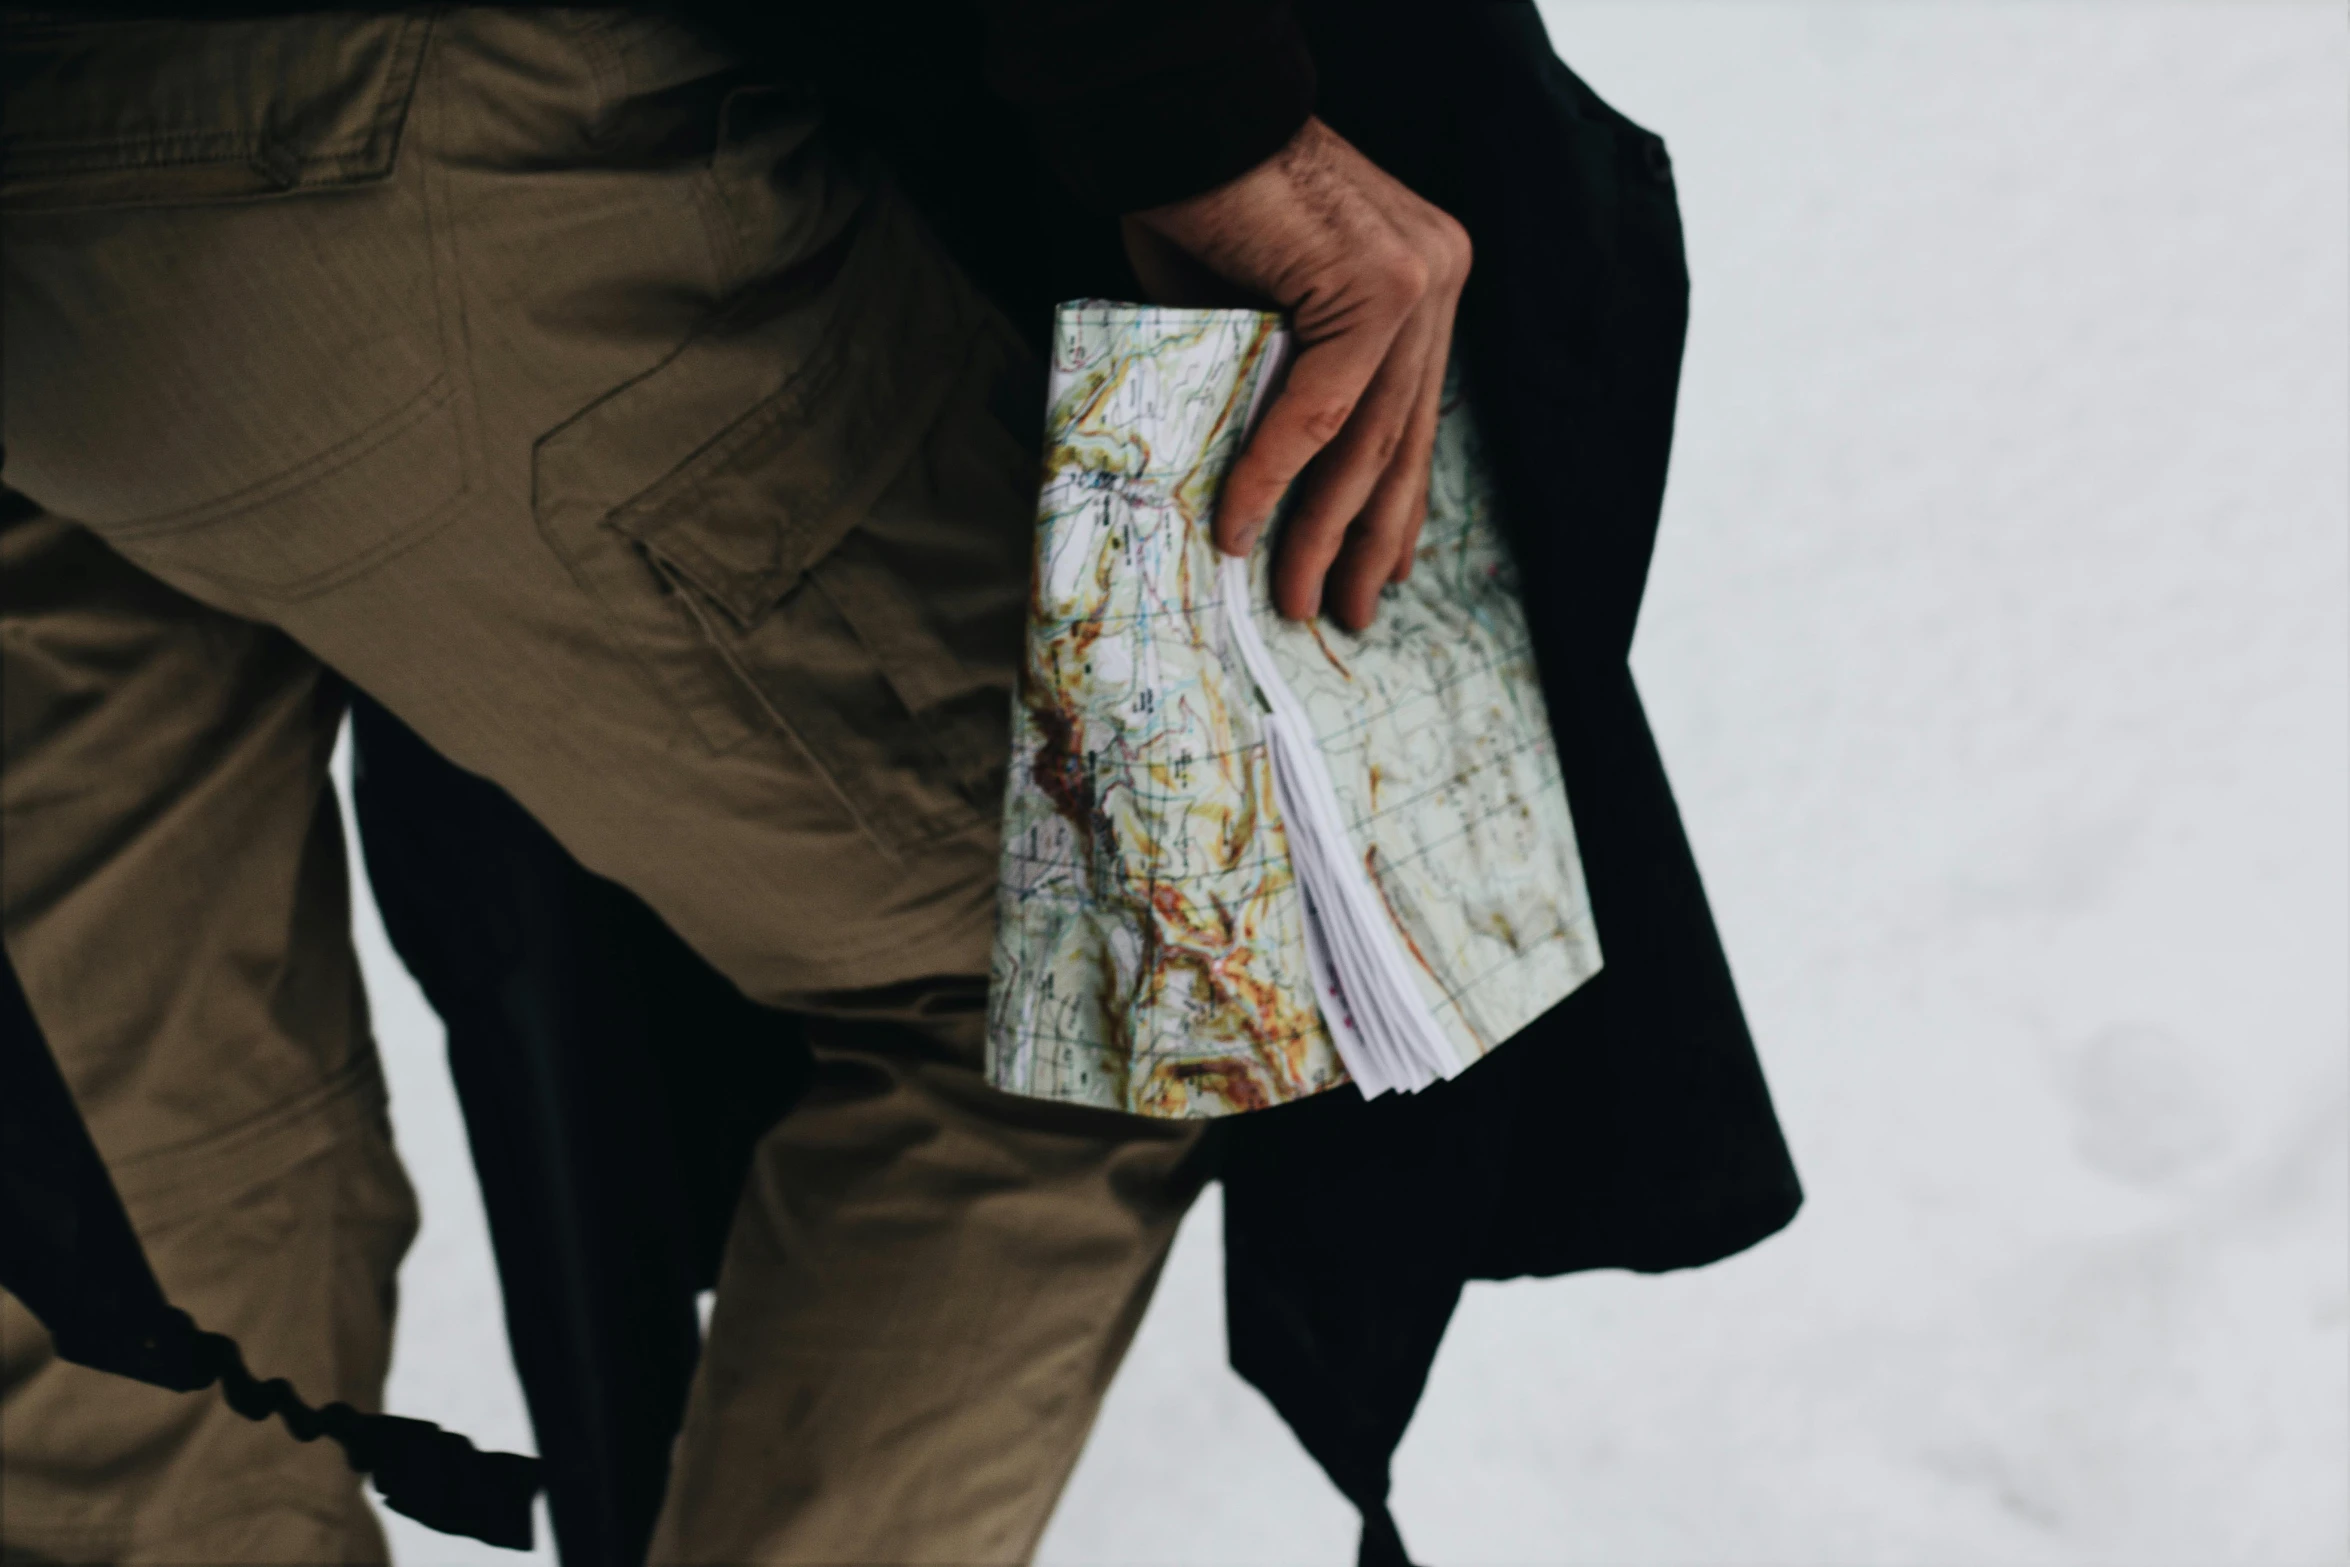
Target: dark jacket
<point x="1630" y="1126"/>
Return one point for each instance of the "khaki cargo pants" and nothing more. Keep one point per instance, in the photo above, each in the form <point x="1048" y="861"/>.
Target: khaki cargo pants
<point x="554" y="378"/>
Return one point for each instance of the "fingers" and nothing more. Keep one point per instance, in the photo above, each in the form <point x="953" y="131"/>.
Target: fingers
<point x="1343" y="353"/>
<point x="1380" y="543"/>
<point x="1370" y="274"/>
<point x="1422" y="440"/>
<point x="1351" y="499"/>
<point x="1359" y="514"/>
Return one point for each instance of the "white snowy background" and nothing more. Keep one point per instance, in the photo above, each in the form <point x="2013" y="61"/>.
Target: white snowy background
<point x="1997" y="645"/>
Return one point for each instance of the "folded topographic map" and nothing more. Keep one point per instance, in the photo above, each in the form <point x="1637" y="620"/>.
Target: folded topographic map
<point x="1247" y="859"/>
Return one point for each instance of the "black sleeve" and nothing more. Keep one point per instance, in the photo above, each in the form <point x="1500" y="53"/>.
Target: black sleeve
<point x="1139" y="102"/>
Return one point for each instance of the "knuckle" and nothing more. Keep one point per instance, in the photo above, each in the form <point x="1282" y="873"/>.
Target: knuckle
<point x="1319" y="533"/>
<point x="1413" y="275"/>
<point x="1323" y="420"/>
<point x="1315" y="543"/>
<point x="1401" y="276"/>
<point x="1459" y="251"/>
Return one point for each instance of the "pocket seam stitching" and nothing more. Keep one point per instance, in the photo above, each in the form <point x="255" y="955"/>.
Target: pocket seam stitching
<point x="437" y="392"/>
<point x="672" y="492"/>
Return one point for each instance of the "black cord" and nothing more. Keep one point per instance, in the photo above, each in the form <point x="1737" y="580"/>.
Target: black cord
<point x="434" y="1476"/>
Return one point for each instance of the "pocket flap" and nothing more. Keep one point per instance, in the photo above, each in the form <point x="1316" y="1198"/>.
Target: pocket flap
<point x="126" y="113"/>
<point x="767" y="498"/>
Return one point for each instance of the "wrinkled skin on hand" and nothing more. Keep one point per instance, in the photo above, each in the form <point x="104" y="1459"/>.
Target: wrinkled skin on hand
<point x="1370" y="276"/>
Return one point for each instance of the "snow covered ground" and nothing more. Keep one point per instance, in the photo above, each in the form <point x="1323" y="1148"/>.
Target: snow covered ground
<point x="1999" y="644"/>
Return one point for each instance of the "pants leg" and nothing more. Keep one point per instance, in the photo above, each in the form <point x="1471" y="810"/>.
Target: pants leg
<point x="925" y="1295"/>
<point x="172" y="891"/>
<point x="642" y="451"/>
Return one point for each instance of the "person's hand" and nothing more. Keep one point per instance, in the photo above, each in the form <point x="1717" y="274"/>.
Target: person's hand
<point x="1370" y="275"/>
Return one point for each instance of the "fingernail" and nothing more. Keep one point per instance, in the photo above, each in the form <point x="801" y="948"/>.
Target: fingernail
<point x="1245" y="541"/>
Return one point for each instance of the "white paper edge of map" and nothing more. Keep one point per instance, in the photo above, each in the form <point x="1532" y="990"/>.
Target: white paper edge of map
<point x="1379" y="1021"/>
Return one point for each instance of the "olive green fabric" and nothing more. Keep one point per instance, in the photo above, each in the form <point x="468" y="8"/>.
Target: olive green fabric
<point x="172" y="889"/>
<point x="552" y="376"/>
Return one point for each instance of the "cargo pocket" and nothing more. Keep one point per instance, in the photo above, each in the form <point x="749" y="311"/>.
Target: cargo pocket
<point x="229" y="349"/>
<point x="713" y="506"/>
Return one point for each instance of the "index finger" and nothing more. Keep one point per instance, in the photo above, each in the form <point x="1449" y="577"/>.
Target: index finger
<point x="1326" y="380"/>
